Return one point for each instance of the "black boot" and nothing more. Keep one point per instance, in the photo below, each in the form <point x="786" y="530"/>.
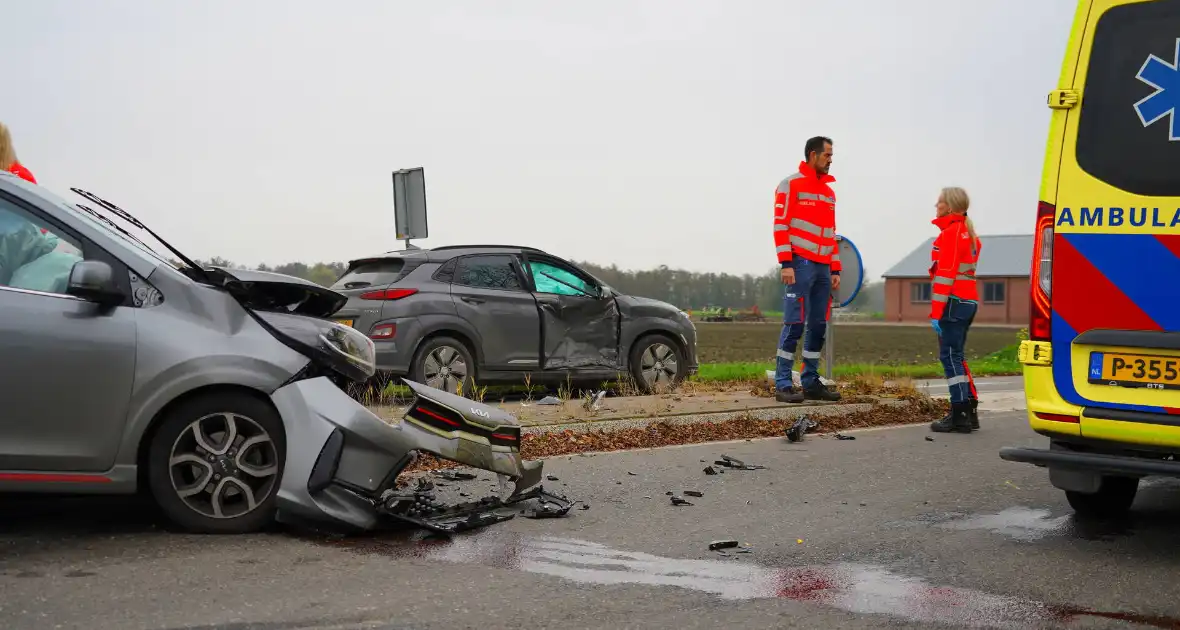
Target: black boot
<point x="959" y="420"/>
<point x="819" y="391"/>
<point x="792" y="395"/>
<point x="974" y="414"/>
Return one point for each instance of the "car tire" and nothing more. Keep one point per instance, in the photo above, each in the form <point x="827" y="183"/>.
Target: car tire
<point x="1113" y="499"/>
<point x="445" y="363"/>
<point x="660" y="357"/>
<point x="208" y="484"/>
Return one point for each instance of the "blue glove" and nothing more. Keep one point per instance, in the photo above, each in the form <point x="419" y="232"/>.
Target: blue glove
<point x="936" y="327"/>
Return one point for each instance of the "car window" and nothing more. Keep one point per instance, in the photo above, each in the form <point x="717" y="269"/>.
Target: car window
<point x="1128" y="130"/>
<point x="487" y="272"/>
<point x="33" y="257"/>
<point x="550" y="278"/>
<point x="368" y="274"/>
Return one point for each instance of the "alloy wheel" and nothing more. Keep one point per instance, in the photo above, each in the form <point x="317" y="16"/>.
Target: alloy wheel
<point x="658" y="365"/>
<point x="223" y="465"/>
<point x="445" y="369"/>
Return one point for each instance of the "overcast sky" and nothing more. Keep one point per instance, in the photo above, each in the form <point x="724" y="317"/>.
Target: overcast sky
<point x="626" y="131"/>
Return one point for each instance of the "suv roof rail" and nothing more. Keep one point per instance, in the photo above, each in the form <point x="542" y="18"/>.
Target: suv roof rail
<point x="520" y="247"/>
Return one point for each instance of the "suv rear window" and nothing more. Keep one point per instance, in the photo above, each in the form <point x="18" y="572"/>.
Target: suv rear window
<point x="377" y="273"/>
<point x="1129" y="131"/>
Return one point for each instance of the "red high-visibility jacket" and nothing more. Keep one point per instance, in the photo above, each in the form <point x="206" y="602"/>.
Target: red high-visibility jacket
<point x="954" y="258"/>
<point x="21" y="172"/>
<point x="805" y="219"/>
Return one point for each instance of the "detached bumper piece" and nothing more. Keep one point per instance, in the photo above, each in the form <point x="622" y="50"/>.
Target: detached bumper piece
<point x="1092" y="462"/>
<point x="421" y="508"/>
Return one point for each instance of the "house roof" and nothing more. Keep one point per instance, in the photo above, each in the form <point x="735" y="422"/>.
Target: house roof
<point x="1002" y="256"/>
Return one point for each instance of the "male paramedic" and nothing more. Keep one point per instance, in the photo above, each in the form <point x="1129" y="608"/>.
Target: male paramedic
<point x="805" y="239"/>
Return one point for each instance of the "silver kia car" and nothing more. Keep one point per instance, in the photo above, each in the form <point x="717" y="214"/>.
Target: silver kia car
<point x="218" y="391"/>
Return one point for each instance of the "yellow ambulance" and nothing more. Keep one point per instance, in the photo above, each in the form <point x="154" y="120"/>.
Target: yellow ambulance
<point x="1102" y="362"/>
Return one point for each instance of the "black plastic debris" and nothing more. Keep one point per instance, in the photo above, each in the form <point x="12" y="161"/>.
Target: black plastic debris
<point x="679" y="501"/>
<point x="841" y="436"/>
<point x="551" y="477"/>
<point x="736" y="464"/>
<point x="669" y="493"/>
<point x="709" y="470"/>
<point x="585" y="506"/>
<point x="454" y="475"/>
<point x="722" y="544"/>
<point x="694" y="493"/>
<point x="929" y="439"/>
<point x="546" y="509"/>
<point x="631" y="473"/>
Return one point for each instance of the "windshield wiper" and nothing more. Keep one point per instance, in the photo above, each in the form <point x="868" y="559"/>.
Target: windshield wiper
<point x="126" y="216"/>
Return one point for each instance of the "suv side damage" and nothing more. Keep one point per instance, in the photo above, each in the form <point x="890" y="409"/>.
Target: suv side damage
<point x="343" y="461"/>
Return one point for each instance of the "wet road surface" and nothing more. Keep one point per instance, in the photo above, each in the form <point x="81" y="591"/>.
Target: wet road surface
<point x="888" y="530"/>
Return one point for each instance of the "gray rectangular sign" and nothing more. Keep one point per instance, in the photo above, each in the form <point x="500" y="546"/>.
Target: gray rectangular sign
<point x="409" y="203"/>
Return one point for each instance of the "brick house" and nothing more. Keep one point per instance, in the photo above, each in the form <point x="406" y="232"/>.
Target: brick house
<point x="1003" y="275"/>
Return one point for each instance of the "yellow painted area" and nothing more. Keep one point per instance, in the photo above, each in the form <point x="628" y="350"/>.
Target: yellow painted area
<point x="1040" y="395"/>
<point x="1080" y="355"/>
<point x="1131" y="432"/>
<point x="1073" y="188"/>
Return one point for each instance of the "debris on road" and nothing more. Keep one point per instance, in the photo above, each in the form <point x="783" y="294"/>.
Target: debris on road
<point x="841" y="436"/>
<point x="722" y="544"/>
<point x="679" y="501"/>
<point x="630" y="473"/>
<point x="551" y="477"/>
<point x="737" y="464"/>
<point x="454" y="475"/>
<point x="694" y="493"/>
<point x="929" y="439"/>
<point x="801" y="427"/>
<point x="423" y="509"/>
<point x="709" y="470"/>
<point x="549" y="400"/>
<point x="669" y="493"/>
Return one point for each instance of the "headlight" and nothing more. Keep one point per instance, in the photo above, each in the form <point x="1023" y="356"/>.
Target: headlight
<point x="341" y="348"/>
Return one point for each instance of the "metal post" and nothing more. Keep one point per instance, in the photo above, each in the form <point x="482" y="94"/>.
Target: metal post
<point x="829" y="348"/>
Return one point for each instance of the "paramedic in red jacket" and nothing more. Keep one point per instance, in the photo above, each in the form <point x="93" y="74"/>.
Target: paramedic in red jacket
<point x="954" y="300"/>
<point x="805" y="239"/>
<point x="8" y="161"/>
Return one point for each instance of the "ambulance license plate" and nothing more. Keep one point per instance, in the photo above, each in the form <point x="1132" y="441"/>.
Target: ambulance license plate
<point x="1134" y="370"/>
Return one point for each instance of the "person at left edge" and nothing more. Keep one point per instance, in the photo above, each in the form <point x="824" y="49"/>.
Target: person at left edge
<point x="805" y="240"/>
<point x="8" y="161"/>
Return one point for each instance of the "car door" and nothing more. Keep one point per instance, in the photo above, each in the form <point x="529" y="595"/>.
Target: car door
<point x="489" y="293"/>
<point x="579" y="321"/>
<point x="68" y="364"/>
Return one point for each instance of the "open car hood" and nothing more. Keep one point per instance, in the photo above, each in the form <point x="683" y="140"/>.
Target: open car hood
<point x="276" y="292"/>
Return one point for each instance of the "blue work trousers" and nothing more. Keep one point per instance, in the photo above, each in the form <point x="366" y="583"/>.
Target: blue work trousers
<point x="808" y="300"/>
<point x="955" y="322"/>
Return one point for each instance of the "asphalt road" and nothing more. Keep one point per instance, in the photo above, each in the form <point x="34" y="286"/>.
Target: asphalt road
<point x="889" y="530"/>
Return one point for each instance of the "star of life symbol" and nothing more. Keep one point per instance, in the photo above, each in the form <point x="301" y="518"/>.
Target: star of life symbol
<point x="1165" y="78"/>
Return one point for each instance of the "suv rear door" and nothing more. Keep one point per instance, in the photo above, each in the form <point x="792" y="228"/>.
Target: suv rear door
<point x="579" y="326"/>
<point x="1116" y="245"/>
<point x="490" y="294"/>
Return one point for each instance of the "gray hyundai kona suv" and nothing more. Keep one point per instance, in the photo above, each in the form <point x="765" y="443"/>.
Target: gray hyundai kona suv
<point x="454" y="317"/>
<point x="219" y="392"/>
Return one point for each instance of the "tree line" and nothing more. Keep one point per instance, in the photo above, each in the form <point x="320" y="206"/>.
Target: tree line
<point x="686" y="289"/>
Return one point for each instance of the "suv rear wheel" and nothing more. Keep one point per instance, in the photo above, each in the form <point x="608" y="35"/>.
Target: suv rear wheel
<point x="445" y="363"/>
<point x="657" y="363"/>
<point x="215" y="463"/>
<point x="1114" y="498"/>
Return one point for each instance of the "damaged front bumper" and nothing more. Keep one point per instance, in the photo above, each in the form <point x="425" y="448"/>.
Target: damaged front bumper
<point x="342" y="460"/>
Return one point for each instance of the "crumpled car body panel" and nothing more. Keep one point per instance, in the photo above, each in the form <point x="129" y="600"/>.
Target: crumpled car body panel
<point x="341" y="457"/>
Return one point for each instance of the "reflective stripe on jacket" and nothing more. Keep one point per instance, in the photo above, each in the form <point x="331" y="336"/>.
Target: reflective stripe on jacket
<point x="805" y="218"/>
<point x="954" y="257"/>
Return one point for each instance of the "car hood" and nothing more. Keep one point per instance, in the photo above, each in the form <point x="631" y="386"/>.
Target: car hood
<point x="276" y="292"/>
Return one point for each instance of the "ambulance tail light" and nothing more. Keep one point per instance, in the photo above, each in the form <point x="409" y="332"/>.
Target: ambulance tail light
<point x="1041" y="285"/>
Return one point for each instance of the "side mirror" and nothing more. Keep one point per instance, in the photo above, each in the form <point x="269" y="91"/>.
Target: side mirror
<point x="94" y="281"/>
<point x="605" y="293"/>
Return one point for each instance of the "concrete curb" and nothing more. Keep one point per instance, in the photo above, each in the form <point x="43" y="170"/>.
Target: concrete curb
<point x="781" y="412"/>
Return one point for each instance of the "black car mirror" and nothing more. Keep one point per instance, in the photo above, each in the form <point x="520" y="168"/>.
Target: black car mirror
<point x="94" y="281"/>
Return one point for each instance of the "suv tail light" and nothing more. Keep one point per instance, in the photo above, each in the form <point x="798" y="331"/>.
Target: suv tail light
<point x="388" y="294"/>
<point x="1041" y="285"/>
